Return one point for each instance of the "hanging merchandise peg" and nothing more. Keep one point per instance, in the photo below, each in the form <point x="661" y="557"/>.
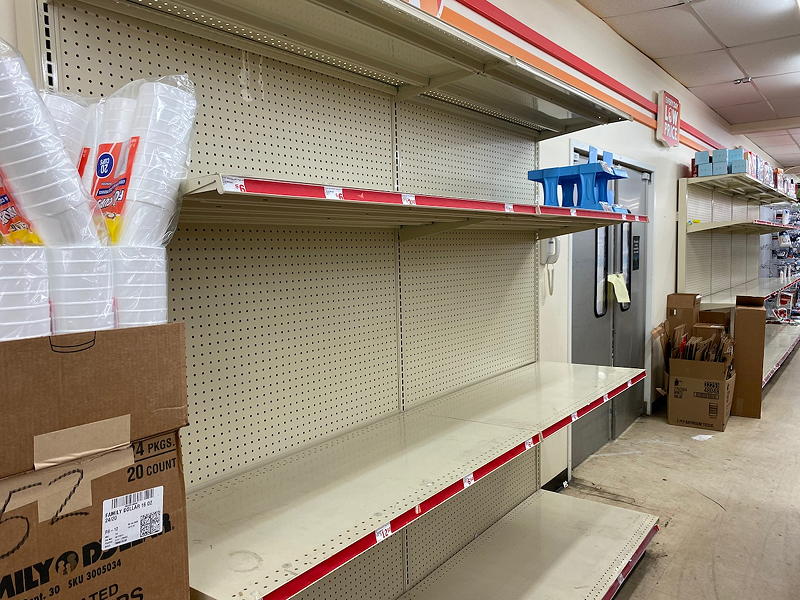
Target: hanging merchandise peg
<point x="591" y="180"/>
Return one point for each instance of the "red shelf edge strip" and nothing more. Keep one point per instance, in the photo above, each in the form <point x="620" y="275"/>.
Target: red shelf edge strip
<point x="634" y="560"/>
<point x="266" y="187"/>
<point x="333" y="562"/>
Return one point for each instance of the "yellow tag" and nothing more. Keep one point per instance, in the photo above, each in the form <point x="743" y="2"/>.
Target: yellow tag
<point x="617" y="281"/>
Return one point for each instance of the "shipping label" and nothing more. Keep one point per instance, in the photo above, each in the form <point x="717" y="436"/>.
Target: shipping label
<point x="132" y="517"/>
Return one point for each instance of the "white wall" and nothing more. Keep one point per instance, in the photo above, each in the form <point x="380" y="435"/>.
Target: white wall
<point x="8" y="28"/>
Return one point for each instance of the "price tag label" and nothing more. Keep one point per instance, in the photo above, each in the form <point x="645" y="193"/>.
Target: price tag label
<point x="333" y="193"/>
<point x="573" y="212"/>
<point x="574" y="417"/>
<point x="529" y="444"/>
<point x="630" y="384"/>
<point x="409" y="199"/>
<point x="621" y="579"/>
<point x="383" y="532"/>
<point x="605" y="397"/>
<point x="418" y="509"/>
<point x="624" y="217"/>
<point x="233" y="184"/>
<point x="509" y="208"/>
<point x="469" y="480"/>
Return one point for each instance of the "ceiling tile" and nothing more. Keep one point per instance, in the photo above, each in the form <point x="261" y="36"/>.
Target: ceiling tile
<point x="782" y="139"/>
<point x="648" y="32"/>
<point x="779" y="86"/>
<point x="701" y="69"/>
<point x="738" y="22"/>
<point x="615" y="8"/>
<point x="726" y="94"/>
<point x="781" y="150"/>
<point x="786" y="107"/>
<point x="745" y="113"/>
<point x="769" y="58"/>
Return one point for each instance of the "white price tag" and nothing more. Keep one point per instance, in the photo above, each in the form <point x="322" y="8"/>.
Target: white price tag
<point x="624" y="217"/>
<point x="621" y="579"/>
<point x="574" y="416"/>
<point x="383" y="532"/>
<point x="630" y="384"/>
<point x="409" y="199"/>
<point x="573" y="212"/>
<point x="605" y="397"/>
<point x="233" y="184"/>
<point x="529" y="444"/>
<point x="333" y="193"/>
<point x="132" y="517"/>
<point x="509" y="208"/>
<point x="469" y="480"/>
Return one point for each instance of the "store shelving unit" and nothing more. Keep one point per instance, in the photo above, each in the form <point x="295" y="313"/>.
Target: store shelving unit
<point x="357" y="265"/>
<point x="551" y="546"/>
<point x="326" y="505"/>
<point x="233" y="199"/>
<point x="743" y="226"/>
<point x="780" y="342"/>
<point x="741" y="185"/>
<point x="761" y="289"/>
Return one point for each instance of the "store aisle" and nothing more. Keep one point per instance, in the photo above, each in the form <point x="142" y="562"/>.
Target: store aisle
<point x="729" y="505"/>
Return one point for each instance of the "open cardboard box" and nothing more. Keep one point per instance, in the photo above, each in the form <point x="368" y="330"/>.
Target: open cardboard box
<point x="699" y="394"/>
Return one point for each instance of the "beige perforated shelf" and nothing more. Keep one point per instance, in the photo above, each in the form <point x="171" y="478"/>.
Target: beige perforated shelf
<point x="780" y="341"/>
<point x="763" y="288"/>
<point x="743" y="226"/>
<point x="741" y="184"/>
<point x="233" y="199"/>
<point x="272" y="531"/>
<point x="551" y="546"/>
<point x="393" y="42"/>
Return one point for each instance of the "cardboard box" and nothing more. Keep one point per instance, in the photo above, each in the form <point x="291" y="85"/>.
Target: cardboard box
<point x="719" y="168"/>
<point x="708" y="331"/>
<point x="53" y="544"/>
<point x="70" y="396"/>
<point x="738" y="166"/>
<point x="702" y="157"/>
<point x="717" y="317"/>
<point x="699" y="394"/>
<point x="705" y="169"/>
<point x="720" y="155"/>
<point x="683" y="309"/>
<point x="749" y="329"/>
<point x="735" y="154"/>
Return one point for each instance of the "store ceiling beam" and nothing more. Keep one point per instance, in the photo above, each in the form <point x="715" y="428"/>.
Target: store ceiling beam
<point x="770" y="125"/>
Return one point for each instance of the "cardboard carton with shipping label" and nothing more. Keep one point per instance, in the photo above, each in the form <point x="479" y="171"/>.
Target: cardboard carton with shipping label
<point x="111" y="526"/>
<point x="699" y="394"/>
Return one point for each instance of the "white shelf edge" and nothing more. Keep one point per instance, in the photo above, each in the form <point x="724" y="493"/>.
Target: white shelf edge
<point x="781" y="340"/>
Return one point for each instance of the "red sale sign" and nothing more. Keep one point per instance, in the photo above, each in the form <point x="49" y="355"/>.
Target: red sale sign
<point x="668" y="130"/>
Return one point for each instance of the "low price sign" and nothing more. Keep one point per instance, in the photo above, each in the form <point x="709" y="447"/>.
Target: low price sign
<point x="669" y="119"/>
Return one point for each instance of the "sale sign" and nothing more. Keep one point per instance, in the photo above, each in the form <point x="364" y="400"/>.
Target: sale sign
<point x="668" y="130"/>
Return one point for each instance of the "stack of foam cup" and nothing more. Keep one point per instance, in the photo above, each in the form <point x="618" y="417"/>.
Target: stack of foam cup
<point x="163" y="121"/>
<point x="81" y="288"/>
<point x="140" y="285"/>
<point x="36" y="168"/>
<point x="71" y="118"/>
<point x="24" y="300"/>
<point x="109" y="123"/>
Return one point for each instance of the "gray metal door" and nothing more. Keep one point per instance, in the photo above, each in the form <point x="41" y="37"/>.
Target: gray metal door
<point x="605" y="332"/>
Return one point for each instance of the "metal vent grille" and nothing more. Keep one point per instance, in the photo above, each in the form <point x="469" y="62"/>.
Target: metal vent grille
<point x="291" y="337"/>
<point x="256" y="116"/>
<point x="443" y="154"/>
<point x="460" y="293"/>
<point x="440" y="534"/>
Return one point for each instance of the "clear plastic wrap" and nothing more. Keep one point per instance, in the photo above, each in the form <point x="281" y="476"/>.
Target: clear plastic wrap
<point x="24" y="296"/>
<point x="71" y="116"/>
<point x="37" y="171"/>
<point x="81" y="288"/>
<point x="140" y="285"/>
<point x="141" y="156"/>
<point x="15" y="228"/>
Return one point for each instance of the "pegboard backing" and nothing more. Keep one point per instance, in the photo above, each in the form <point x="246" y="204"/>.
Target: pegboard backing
<point x="291" y="337"/>
<point x="443" y="154"/>
<point x="256" y="116"/>
<point x="469" y="307"/>
<point x="378" y="574"/>
<point x="698" y="263"/>
<point x="441" y="533"/>
<point x="700" y="203"/>
<point x="738" y="258"/>
<point x="739" y="209"/>
<point x="753" y="256"/>
<point x="721" y="266"/>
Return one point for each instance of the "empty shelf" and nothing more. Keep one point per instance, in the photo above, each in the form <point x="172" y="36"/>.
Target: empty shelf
<point x="741" y="184"/>
<point x="274" y="530"/>
<point x="779" y="343"/>
<point x="234" y="199"/>
<point x="753" y="226"/>
<point x="764" y="288"/>
<point x="551" y="546"/>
